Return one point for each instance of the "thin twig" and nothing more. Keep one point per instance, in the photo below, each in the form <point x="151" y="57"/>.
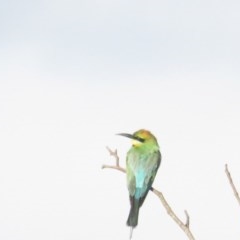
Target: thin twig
<point x="187" y="219"/>
<point x="116" y="166"/>
<point x="114" y="154"/>
<point x="184" y="227"/>
<point x="232" y="184"/>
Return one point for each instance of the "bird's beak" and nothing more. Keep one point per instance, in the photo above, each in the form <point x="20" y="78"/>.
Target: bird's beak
<point x="131" y="136"/>
<point x="126" y="135"/>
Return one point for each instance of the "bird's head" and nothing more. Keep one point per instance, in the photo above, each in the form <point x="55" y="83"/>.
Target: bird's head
<point x="141" y="137"/>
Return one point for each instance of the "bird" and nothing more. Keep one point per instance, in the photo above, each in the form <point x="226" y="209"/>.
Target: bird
<point x="142" y="162"/>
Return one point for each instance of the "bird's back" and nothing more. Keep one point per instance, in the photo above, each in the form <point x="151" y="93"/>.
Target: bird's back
<point x="142" y="167"/>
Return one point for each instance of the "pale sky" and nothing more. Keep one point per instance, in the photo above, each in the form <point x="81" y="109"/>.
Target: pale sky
<point x="75" y="73"/>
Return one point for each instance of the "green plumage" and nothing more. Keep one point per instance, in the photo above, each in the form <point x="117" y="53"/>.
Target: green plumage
<point x="142" y="166"/>
<point x="143" y="160"/>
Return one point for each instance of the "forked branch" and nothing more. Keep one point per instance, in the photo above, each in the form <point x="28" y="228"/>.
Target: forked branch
<point x="184" y="226"/>
<point x="116" y="166"/>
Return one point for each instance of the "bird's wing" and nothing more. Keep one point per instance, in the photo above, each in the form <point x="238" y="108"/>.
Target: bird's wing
<point x="131" y="180"/>
<point x="141" y="173"/>
<point x="152" y="165"/>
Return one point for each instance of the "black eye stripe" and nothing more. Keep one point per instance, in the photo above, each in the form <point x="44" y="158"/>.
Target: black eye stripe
<point x="139" y="139"/>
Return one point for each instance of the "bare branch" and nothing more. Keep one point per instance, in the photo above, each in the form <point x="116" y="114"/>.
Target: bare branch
<point x="184" y="227"/>
<point x="114" y="154"/>
<point x="187" y="219"/>
<point x="116" y="166"/>
<point x="232" y="184"/>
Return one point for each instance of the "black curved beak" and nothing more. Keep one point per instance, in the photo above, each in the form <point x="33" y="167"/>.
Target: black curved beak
<point x="131" y="136"/>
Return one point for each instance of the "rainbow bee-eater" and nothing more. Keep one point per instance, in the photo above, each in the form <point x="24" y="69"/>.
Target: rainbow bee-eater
<point x="143" y="160"/>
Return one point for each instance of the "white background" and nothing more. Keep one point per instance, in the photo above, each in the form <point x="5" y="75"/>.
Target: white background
<point x="74" y="73"/>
